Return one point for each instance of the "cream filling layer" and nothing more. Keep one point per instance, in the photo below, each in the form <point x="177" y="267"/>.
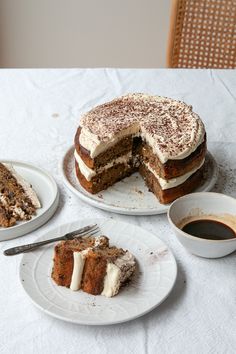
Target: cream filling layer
<point x="88" y="173"/>
<point x="173" y="182"/>
<point x="79" y="260"/>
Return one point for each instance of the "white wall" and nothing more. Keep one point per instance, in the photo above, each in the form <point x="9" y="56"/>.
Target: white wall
<point x="88" y="33"/>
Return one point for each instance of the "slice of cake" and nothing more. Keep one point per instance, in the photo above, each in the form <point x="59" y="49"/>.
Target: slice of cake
<point x="160" y="137"/>
<point x="18" y="201"/>
<point x="64" y="258"/>
<point x="89" y="264"/>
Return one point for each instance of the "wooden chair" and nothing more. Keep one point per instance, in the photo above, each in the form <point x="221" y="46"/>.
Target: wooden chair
<point x="202" y="34"/>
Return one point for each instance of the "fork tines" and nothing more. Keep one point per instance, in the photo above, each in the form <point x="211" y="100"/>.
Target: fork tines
<point x="88" y="230"/>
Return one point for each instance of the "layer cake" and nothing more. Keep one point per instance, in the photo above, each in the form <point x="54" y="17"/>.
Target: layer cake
<point x="160" y="137"/>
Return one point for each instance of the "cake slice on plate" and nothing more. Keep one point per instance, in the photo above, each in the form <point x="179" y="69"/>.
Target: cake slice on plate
<point x="89" y="264"/>
<point x="18" y="200"/>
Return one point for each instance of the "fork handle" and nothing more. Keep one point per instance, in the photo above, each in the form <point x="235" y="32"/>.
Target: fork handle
<point x="26" y="248"/>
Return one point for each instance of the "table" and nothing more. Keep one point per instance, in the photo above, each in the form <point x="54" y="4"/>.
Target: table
<point x="39" y="114"/>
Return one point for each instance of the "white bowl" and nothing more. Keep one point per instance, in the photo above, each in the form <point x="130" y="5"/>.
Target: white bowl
<point x="204" y="205"/>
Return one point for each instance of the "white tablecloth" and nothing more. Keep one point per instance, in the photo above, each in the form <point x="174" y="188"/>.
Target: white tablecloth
<point x="39" y="114"/>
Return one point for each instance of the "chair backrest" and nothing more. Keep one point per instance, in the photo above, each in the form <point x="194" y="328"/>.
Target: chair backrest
<point x="202" y="34"/>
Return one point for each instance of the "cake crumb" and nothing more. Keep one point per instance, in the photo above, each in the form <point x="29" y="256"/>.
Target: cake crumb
<point x="55" y="115"/>
<point x="138" y="191"/>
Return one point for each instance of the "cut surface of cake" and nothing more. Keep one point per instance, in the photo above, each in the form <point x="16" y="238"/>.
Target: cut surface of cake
<point x="18" y="201"/>
<point x="160" y="137"/>
<point x="90" y="264"/>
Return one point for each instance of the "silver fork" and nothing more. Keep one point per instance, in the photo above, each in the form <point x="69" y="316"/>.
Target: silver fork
<point x="87" y="230"/>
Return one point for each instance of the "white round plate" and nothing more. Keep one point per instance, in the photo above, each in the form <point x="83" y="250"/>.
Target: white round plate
<point x="47" y="192"/>
<point x="129" y="196"/>
<point x="151" y="284"/>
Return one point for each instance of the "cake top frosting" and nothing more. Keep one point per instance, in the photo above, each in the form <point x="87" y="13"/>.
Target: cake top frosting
<point x="169" y="126"/>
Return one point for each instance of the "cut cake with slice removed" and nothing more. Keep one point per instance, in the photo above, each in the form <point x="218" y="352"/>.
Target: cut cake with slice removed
<point x="161" y="138"/>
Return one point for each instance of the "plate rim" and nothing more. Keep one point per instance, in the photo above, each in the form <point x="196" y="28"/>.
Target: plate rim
<point x="37" y="221"/>
<point x="127" y="211"/>
<point x="104" y="323"/>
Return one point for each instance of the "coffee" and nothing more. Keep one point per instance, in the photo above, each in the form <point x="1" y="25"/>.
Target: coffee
<point x="209" y="229"/>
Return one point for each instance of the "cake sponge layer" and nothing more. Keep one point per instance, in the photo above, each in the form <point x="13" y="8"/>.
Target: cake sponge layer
<point x="167" y="196"/>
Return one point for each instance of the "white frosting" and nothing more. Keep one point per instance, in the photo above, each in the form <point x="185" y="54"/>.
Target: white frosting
<point x="88" y="173"/>
<point x="173" y="182"/>
<point x="170" y="127"/>
<point x="117" y="273"/>
<point x="197" y="135"/>
<point x="112" y="280"/>
<point x="26" y="186"/>
<point x="95" y="146"/>
<point x="78" y="267"/>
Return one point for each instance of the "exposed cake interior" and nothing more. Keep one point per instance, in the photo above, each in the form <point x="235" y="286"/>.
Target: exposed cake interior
<point x="140" y="132"/>
<point x="18" y="200"/>
<point x="89" y="264"/>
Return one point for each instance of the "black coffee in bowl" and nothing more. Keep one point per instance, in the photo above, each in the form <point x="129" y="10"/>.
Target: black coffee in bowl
<point x="209" y="229"/>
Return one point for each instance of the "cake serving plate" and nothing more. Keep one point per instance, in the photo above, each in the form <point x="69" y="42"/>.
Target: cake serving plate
<point x="47" y="191"/>
<point x="152" y="282"/>
<point x="129" y="196"/>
